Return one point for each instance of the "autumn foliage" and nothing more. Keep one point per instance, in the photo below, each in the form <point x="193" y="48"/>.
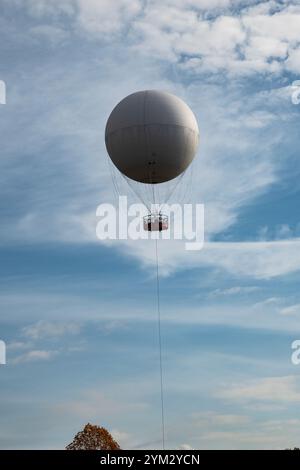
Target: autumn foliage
<point x="93" y="438"/>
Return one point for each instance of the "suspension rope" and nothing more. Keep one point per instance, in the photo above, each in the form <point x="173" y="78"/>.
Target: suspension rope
<point x="160" y="348"/>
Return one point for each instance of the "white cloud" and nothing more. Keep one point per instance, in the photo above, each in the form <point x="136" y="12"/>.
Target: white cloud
<point x="33" y="356"/>
<point x="252" y="41"/>
<point x="284" y="389"/>
<point x="211" y="419"/>
<point x="260" y="260"/>
<point x="217" y="431"/>
<point x="269" y="301"/>
<point x="185" y="447"/>
<point x="277" y="424"/>
<point x="253" y="439"/>
<point x="283" y="26"/>
<point x="93" y="405"/>
<point x="293" y="62"/>
<point x="236" y="290"/>
<point x="43" y="329"/>
<point x="237" y="39"/>
<point x="18" y="345"/>
<point x="53" y="34"/>
<point x="42" y="8"/>
<point x="124" y="439"/>
<point x="291" y="310"/>
<point x="197" y="4"/>
<point x="263" y="48"/>
<point x="106" y="17"/>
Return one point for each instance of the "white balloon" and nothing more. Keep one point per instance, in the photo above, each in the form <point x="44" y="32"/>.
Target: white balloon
<point x="151" y="136"/>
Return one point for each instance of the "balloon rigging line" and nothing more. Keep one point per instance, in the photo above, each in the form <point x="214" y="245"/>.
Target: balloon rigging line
<point x="135" y="192"/>
<point x="160" y="348"/>
<point x="174" y="188"/>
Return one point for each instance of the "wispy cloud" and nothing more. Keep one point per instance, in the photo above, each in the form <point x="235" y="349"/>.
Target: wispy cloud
<point x="218" y="420"/>
<point x="236" y="290"/>
<point x="45" y="329"/>
<point x="260" y="260"/>
<point x="93" y="405"/>
<point x="284" y="389"/>
<point x="18" y="345"/>
<point x="34" y="356"/>
<point x="291" y="310"/>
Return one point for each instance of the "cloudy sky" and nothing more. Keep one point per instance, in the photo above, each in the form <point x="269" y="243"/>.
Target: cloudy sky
<point x="78" y="315"/>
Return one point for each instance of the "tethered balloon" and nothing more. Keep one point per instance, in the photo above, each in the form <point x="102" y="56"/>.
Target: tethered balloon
<point x="151" y="137"/>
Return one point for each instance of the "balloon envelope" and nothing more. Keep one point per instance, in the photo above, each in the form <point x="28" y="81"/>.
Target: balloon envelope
<point x="151" y="136"/>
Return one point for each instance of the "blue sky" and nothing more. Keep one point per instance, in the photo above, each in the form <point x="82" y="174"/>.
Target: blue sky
<point x="79" y="315"/>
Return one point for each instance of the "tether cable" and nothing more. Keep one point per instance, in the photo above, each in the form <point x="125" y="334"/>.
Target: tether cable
<point x="160" y="348"/>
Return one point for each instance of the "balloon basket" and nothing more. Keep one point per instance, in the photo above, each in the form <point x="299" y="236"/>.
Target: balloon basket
<point x="156" y="222"/>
